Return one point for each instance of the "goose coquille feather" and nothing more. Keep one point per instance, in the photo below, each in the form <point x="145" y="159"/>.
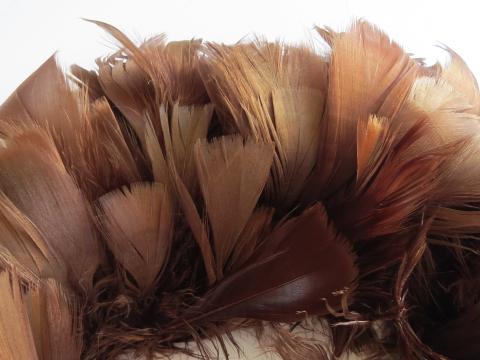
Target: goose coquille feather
<point x="182" y="190"/>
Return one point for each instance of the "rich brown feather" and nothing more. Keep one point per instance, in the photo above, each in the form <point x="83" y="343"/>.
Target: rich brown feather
<point x="138" y="227"/>
<point x="282" y="281"/>
<point x="33" y="177"/>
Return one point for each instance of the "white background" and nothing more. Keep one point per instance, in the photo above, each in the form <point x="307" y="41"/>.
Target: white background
<point x="30" y="31"/>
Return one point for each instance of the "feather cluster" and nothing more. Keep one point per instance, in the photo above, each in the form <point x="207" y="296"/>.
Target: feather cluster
<point x="182" y="190"/>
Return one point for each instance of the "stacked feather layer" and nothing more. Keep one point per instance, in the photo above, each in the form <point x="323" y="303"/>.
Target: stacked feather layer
<point x="183" y="190"/>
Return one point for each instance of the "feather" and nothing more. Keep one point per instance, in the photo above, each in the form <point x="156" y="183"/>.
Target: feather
<point x="108" y="159"/>
<point x="241" y="186"/>
<point x="462" y="79"/>
<point x="138" y="227"/>
<point x="180" y="131"/>
<point x="387" y="193"/>
<point x="9" y="263"/>
<point x="256" y="228"/>
<point x="231" y="172"/>
<point x="188" y="125"/>
<point x="455" y="222"/>
<point x="368" y="74"/>
<point x="32" y="176"/>
<point x="445" y="109"/>
<point x="126" y="85"/>
<point x="23" y="241"/>
<point x="57" y="111"/>
<point x="25" y="108"/>
<point x="448" y="121"/>
<point x="153" y="73"/>
<point x="283" y="281"/>
<point x="16" y="339"/>
<point x="266" y="97"/>
<point x="367" y="139"/>
<point x="197" y="227"/>
<point x="54" y="322"/>
<point x="158" y="161"/>
<point x="412" y="346"/>
<point x="88" y="80"/>
<point x="72" y="127"/>
<point x="297" y="124"/>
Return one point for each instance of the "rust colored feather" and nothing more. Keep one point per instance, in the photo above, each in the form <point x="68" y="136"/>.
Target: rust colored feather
<point x="284" y="282"/>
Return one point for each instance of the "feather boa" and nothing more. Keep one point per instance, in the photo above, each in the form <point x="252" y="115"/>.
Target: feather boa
<point x="184" y="190"/>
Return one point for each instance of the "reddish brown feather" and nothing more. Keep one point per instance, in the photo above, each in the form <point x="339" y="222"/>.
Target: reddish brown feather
<point x="138" y="227"/>
<point x="33" y="177"/>
<point x="207" y="163"/>
<point x="282" y="281"/>
<point x="16" y="339"/>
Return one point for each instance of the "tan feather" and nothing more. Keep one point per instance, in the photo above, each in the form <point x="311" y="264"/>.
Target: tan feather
<point x="457" y="74"/>
<point x="158" y="161"/>
<point x="138" y="227"/>
<point x="267" y="90"/>
<point x="454" y="222"/>
<point x="32" y="176"/>
<point x="107" y="160"/>
<point x="10" y="264"/>
<point x="126" y="85"/>
<point x="197" y="226"/>
<point x="254" y="231"/>
<point x="367" y="139"/>
<point x="23" y="241"/>
<point x="153" y="73"/>
<point x="86" y="79"/>
<point x="57" y="111"/>
<point x="188" y="124"/>
<point x="297" y="115"/>
<point x="16" y="339"/>
<point x="368" y="74"/>
<point x="74" y="127"/>
<point x="449" y="121"/>
<point x="54" y="322"/>
<point x="231" y="172"/>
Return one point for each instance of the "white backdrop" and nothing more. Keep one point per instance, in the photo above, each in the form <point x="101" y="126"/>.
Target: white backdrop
<point x="31" y="30"/>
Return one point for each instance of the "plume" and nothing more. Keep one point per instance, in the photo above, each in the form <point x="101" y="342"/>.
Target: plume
<point x="181" y="191"/>
<point x="138" y="226"/>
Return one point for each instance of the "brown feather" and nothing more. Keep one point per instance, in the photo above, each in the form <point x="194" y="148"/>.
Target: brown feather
<point x="368" y="74"/>
<point x="231" y="172"/>
<point x="16" y="339"/>
<point x="32" y="176"/>
<point x="54" y="322"/>
<point x="282" y="281"/>
<point x="138" y="227"/>
<point x="24" y="242"/>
